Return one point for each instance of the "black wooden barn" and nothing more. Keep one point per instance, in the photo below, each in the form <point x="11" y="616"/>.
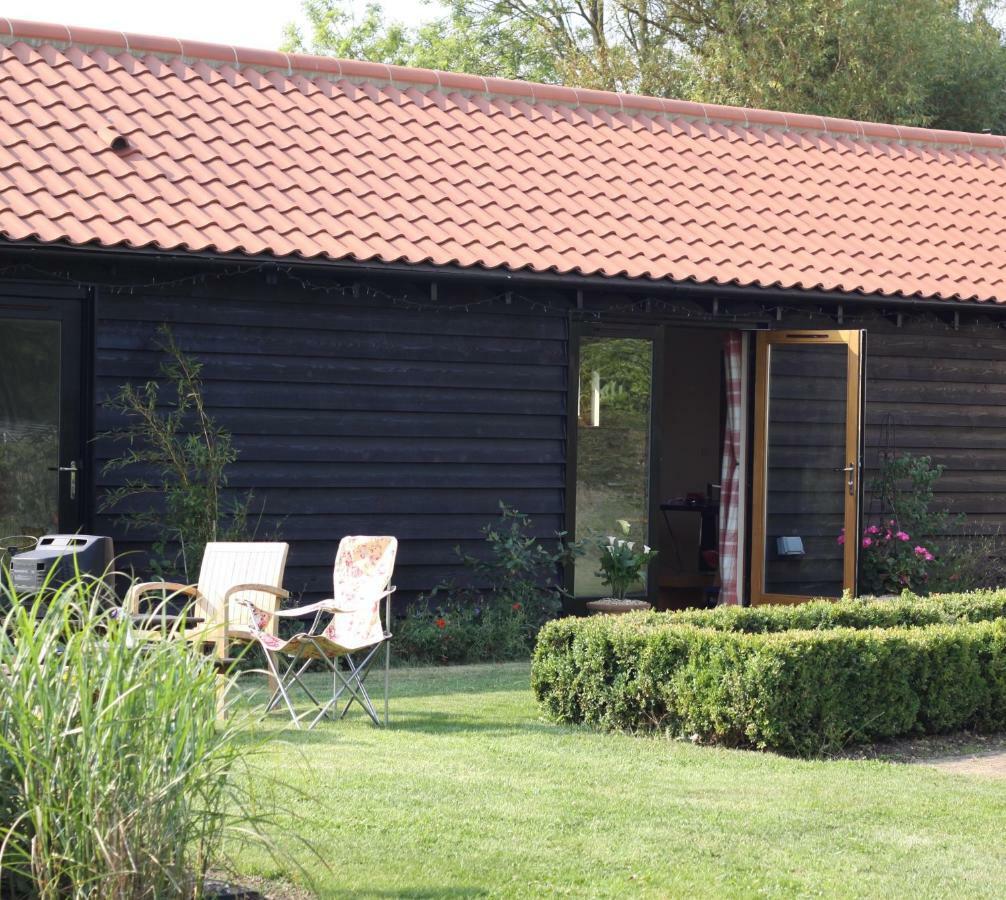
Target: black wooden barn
<point x="416" y="295"/>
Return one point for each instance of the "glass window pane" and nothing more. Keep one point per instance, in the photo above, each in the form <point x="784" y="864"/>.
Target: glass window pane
<point x="805" y="486"/>
<point x="29" y="426"/>
<point x="613" y="446"/>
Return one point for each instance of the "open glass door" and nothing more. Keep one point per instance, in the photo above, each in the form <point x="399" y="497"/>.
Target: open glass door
<point x="807" y="462"/>
<point x="611" y="444"/>
<point x="40" y="451"/>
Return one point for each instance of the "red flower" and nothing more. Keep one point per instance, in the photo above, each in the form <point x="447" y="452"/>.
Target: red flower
<point x="516" y="607"/>
<point x="440" y="623"/>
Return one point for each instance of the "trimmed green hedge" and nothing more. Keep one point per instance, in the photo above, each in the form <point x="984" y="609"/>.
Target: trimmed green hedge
<point x="909" y="610"/>
<point x="735" y="678"/>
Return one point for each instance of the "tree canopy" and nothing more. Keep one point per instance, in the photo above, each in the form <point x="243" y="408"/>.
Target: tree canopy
<point x="937" y="63"/>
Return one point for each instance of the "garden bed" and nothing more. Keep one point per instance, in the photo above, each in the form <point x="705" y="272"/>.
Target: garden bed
<point x="803" y="680"/>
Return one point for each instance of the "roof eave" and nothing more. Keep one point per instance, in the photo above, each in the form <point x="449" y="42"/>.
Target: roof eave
<point x="571" y="281"/>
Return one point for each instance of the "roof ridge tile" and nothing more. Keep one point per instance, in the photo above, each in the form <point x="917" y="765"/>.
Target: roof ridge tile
<point x="289" y="64"/>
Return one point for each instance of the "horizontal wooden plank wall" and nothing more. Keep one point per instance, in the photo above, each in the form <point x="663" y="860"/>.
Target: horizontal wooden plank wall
<point x="942" y="393"/>
<point x="353" y="415"/>
<point x="356" y="414"/>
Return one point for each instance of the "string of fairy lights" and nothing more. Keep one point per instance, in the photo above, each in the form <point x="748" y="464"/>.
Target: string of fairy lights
<point x="717" y="311"/>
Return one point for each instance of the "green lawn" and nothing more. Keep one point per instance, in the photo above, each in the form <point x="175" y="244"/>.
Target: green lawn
<point x="469" y="793"/>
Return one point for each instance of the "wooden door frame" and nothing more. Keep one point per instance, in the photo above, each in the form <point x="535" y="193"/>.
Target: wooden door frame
<point x="653" y="332"/>
<point x="854" y="340"/>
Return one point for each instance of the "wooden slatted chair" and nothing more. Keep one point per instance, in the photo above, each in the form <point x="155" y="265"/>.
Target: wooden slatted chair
<point x="232" y="575"/>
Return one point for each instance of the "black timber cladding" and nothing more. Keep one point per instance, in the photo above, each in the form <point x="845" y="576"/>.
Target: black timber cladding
<point x="355" y="415"/>
<point x="942" y="392"/>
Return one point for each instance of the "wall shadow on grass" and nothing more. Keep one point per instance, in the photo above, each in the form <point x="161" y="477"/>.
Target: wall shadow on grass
<point x="408" y="683"/>
<point x="425" y="722"/>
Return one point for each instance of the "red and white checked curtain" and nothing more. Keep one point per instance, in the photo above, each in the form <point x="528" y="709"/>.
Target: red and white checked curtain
<point x="730" y="474"/>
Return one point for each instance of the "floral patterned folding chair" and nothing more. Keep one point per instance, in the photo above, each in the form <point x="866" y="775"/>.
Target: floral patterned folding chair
<point x="353" y="635"/>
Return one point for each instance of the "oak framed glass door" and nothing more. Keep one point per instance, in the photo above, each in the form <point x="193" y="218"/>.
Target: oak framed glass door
<point x="807" y="464"/>
<point x="41" y="465"/>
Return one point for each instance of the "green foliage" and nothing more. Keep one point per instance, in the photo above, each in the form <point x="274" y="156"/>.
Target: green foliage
<point x="115" y="780"/>
<point x="469" y="37"/>
<point x="512" y="592"/>
<point x="976" y="559"/>
<point x="860" y="59"/>
<point x="891" y="561"/>
<point x="905" y="487"/>
<point x="626" y="369"/>
<point x="622" y="561"/>
<point x="455" y="633"/>
<point x="803" y="691"/>
<point x="187" y="455"/>
<point x="908" y="610"/>
<point x="917" y="62"/>
<point x="904" y="550"/>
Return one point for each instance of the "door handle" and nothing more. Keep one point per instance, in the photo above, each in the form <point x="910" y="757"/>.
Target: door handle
<point x="850" y="469"/>
<point x="72" y="469"/>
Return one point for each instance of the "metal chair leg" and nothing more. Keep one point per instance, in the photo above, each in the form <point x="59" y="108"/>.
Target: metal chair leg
<point x="387" y="677"/>
<point x="280" y="689"/>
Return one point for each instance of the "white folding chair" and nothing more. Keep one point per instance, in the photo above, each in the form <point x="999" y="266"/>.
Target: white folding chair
<point x="354" y="634"/>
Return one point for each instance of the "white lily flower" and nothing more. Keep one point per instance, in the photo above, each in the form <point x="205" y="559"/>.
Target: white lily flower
<point x="631" y="544"/>
<point x="624" y="525"/>
<point x="611" y="540"/>
<point x="646" y="549"/>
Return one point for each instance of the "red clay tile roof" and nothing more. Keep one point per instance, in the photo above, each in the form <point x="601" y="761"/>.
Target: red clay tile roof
<point x="256" y="152"/>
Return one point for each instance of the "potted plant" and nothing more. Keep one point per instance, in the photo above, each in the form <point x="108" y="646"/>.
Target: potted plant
<point x="622" y="562"/>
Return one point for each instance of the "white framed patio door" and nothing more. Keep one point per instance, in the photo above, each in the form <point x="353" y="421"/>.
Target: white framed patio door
<point x="807" y="464"/>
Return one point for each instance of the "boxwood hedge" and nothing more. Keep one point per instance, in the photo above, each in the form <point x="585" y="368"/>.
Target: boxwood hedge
<point x="907" y="610"/>
<point x="802" y="680"/>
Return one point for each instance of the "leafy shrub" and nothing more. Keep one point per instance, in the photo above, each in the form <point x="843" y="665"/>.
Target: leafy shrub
<point x="976" y="559"/>
<point x="189" y="454"/>
<point x="749" y="683"/>
<point x="514" y="590"/>
<point x="891" y="561"/>
<point x="114" y="776"/>
<point x="459" y="634"/>
<point x="906" y="547"/>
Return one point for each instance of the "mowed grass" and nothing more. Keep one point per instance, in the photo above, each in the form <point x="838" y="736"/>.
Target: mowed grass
<point x="470" y="793"/>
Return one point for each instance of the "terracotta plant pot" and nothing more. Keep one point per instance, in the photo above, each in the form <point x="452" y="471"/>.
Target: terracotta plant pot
<point x="613" y="607"/>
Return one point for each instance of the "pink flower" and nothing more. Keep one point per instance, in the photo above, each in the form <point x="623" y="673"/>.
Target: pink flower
<point x="920" y="551"/>
<point x="841" y="539"/>
<point x="867" y="541"/>
<point x="873" y="529"/>
<point x="901" y="536"/>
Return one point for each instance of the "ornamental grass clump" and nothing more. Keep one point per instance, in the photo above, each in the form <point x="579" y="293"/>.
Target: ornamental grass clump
<point x="115" y="778"/>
